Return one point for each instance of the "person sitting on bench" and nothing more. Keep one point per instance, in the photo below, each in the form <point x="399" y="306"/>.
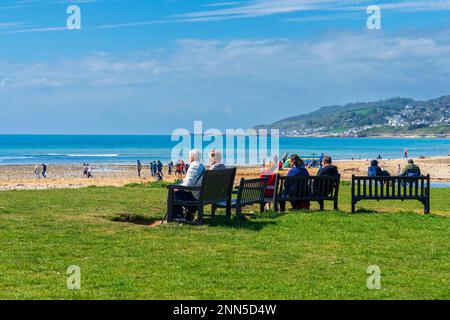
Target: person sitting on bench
<point x="328" y="169"/>
<point x="375" y="171"/>
<point x="194" y="177"/>
<point x="215" y="160"/>
<point x="411" y="170"/>
<point x="297" y="169"/>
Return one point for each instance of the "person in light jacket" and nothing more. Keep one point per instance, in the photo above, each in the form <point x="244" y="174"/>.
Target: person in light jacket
<point x="193" y="178"/>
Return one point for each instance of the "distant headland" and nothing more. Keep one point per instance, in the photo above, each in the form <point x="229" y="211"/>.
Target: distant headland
<point x="396" y="117"/>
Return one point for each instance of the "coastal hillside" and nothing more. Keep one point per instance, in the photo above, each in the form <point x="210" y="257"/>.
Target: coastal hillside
<point x="396" y="116"/>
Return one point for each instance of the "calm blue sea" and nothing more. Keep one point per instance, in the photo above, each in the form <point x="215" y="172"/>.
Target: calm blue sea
<point x="122" y="149"/>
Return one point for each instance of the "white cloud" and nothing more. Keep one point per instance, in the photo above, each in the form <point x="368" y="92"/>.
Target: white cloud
<point x="335" y="60"/>
<point x="219" y="81"/>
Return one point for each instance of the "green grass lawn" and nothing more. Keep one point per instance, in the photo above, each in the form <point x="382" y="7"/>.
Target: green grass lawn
<point x="298" y="255"/>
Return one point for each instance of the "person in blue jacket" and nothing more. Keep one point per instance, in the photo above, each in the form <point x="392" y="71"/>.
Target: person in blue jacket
<point x="297" y="168"/>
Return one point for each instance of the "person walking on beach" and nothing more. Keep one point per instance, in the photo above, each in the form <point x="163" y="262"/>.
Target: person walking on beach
<point x="183" y="167"/>
<point x="85" y="170"/>
<point x="178" y="169"/>
<point x="155" y="168"/>
<point x="160" y="168"/>
<point x="36" y="172"/>
<point x="170" y="168"/>
<point x="44" y="170"/>
<point x="89" y="171"/>
<point x="139" y="168"/>
<point x="158" y="176"/>
<point x="405" y="154"/>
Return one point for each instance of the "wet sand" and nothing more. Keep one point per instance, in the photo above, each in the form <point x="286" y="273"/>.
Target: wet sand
<point x="18" y="177"/>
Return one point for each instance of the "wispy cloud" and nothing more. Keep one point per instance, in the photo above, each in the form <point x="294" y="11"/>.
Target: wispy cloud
<point x="323" y="10"/>
<point x="258" y="8"/>
<point x="317" y="10"/>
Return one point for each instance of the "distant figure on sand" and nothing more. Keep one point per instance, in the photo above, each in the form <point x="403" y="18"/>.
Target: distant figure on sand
<point x="159" y="167"/>
<point x="170" y="168"/>
<point x="44" y="170"/>
<point x="139" y="168"/>
<point x="179" y="170"/>
<point x="328" y="169"/>
<point x="154" y="168"/>
<point x="85" y="170"/>
<point x="36" y="172"/>
<point x="405" y="154"/>
<point x="158" y="176"/>
<point x="411" y="170"/>
<point x="89" y="171"/>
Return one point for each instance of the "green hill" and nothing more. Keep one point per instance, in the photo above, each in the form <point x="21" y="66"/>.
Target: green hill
<point x="391" y="116"/>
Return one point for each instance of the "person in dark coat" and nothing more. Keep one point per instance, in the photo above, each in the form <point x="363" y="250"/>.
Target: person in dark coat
<point x="328" y="169"/>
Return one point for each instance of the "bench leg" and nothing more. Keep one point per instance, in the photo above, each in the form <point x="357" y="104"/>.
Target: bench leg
<point x="228" y="209"/>
<point x="213" y="211"/>
<point x="283" y="206"/>
<point x="321" y="205"/>
<point x="336" y="204"/>
<point x="262" y="207"/>
<point x="169" y="206"/>
<point x="353" y="206"/>
<point x="200" y="215"/>
<point x="238" y="210"/>
<point x="427" y="207"/>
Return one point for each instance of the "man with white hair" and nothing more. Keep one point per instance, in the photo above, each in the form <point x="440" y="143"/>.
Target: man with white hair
<point x="194" y="177"/>
<point x="215" y="160"/>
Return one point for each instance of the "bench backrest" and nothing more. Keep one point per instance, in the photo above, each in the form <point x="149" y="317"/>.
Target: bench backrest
<point x="252" y="191"/>
<point x="217" y="185"/>
<point x="390" y="187"/>
<point x="308" y="188"/>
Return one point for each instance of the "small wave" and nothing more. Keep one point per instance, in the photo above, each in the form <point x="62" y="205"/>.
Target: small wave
<point x="93" y="155"/>
<point x="15" y="158"/>
<point x="80" y="155"/>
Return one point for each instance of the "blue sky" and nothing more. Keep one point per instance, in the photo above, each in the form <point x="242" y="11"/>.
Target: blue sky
<point x="151" y="66"/>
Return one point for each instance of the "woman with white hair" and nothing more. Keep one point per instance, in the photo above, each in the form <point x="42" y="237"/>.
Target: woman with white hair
<point x="215" y="160"/>
<point x="194" y="177"/>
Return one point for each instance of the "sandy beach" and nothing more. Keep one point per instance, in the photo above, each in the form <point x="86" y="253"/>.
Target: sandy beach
<point x="20" y="177"/>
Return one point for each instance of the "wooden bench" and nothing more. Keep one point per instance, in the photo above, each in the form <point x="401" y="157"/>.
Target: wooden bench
<point x="216" y="187"/>
<point x="314" y="188"/>
<point x="391" y="188"/>
<point x="249" y="192"/>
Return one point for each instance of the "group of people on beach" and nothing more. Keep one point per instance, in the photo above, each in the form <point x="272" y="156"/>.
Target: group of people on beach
<point x="87" y="171"/>
<point x="40" y="170"/>
<point x="156" y="169"/>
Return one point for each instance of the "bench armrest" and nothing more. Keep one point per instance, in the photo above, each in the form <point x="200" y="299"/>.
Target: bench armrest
<point x="180" y="187"/>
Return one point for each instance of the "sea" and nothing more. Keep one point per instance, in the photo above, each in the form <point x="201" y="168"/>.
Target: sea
<point x="127" y="149"/>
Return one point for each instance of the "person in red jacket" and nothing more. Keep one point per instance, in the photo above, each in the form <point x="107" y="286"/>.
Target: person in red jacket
<point x="270" y="172"/>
